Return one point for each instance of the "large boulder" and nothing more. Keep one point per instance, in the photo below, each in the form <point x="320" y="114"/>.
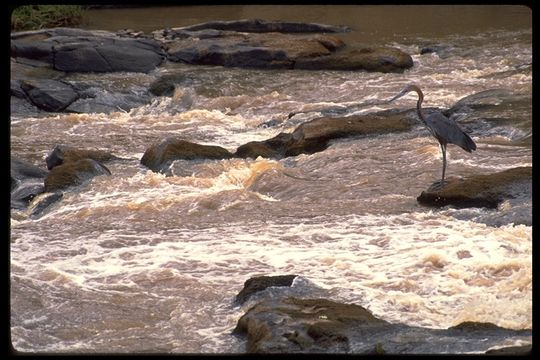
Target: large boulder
<point x="103" y="55"/>
<point x="73" y="173"/>
<point x="158" y="157"/>
<point x="49" y="95"/>
<point x="480" y="190"/>
<point x="281" y="323"/>
<point x="76" y="50"/>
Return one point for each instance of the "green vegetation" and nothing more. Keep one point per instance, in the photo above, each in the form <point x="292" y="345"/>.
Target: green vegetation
<point x="33" y="17"/>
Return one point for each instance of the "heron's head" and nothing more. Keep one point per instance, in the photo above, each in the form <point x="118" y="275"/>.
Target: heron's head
<point x="408" y="89"/>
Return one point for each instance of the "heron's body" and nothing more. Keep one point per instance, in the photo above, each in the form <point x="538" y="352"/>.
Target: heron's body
<point x="445" y="130"/>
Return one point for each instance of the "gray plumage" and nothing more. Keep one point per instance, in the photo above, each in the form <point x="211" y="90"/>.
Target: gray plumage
<point x="445" y="130"/>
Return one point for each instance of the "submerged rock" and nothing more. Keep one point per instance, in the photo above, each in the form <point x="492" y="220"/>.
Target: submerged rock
<point x="159" y="157"/>
<point x="62" y="153"/>
<point x="73" y="173"/>
<point x="26" y="182"/>
<point x="480" y="190"/>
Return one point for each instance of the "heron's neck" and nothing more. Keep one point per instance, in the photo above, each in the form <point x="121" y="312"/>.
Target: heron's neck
<point x="419" y="106"/>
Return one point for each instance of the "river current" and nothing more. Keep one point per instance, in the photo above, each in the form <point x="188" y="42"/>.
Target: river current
<point x="143" y="262"/>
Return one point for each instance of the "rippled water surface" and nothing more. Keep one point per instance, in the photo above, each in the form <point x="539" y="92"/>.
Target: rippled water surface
<point x="141" y="262"/>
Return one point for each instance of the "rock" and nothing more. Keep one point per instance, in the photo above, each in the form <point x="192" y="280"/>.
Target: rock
<point x="73" y="173"/>
<point x="260" y="283"/>
<point x="314" y="136"/>
<point x="232" y="51"/>
<point x="277" y="50"/>
<point x="159" y="157"/>
<point x="22" y="170"/>
<point x="481" y="190"/>
<point x="62" y="153"/>
<point x="23" y="194"/>
<point x="261" y="26"/>
<point x="100" y="56"/>
<point x="381" y="59"/>
<point x="76" y="50"/>
<point x="291" y="325"/>
<point x="511" y="350"/>
<point x="42" y="203"/>
<point x="275" y="147"/>
<point x="49" y="95"/>
<point x="37" y="50"/>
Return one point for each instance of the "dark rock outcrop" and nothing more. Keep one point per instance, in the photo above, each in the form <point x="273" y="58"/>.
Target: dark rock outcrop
<point x="49" y="95"/>
<point x="62" y="154"/>
<point x="73" y="173"/>
<point x="261" y="26"/>
<point x="251" y="43"/>
<point x="260" y="283"/>
<point x="159" y="157"/>
<point x="76" y="50"/>
<point x="281" y="323"/>
<point x="480" y="190"/>
<point x="315" y="135"/>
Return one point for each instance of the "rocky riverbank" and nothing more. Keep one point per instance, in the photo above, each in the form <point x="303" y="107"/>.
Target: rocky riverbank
<point x="279" y="321"/>
<point x="41" y="60"/>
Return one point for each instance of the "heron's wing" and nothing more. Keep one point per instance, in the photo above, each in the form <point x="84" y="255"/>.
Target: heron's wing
<point x="448" y="131"/>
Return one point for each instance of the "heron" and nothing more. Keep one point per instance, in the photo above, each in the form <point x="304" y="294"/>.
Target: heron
<point x="445" y="130"/>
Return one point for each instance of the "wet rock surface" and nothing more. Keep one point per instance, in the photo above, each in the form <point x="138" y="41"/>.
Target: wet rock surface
<point x="76" y="50"/>
<point x="249" y="43"/>
<point x="259" y="26"/>
<point x="62" y="154"/>
<point x="481" y="190"/>
<point x="315" y="135"/>
<point x="288" y="324"/>
<point x="260" y="283"/>
<point x="73" y="173"/>
<point x="159" y="157"/>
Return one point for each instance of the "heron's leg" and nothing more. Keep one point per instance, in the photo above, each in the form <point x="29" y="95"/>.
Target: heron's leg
<point x="443" y="148"/>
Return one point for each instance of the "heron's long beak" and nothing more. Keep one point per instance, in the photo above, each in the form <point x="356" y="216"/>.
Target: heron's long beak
<point x="402" y="93"/>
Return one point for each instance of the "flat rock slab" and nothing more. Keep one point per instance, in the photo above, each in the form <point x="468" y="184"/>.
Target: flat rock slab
<point x="49" y="95"/>
<point x="480" y="190"/>
<point x="259" y="44"/>
<point x="292" y="325"/>
<point x="76" y="50"/>
<point x="261" y="26"/>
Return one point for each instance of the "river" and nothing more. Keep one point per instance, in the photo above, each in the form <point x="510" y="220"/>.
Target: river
<point x="141" y="262"/>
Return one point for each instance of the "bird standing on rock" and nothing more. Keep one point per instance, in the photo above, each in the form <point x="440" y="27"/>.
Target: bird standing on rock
<point x="445" y="130"/>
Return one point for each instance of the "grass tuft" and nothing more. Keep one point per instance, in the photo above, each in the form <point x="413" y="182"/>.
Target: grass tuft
<point x="34" y="17"/>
